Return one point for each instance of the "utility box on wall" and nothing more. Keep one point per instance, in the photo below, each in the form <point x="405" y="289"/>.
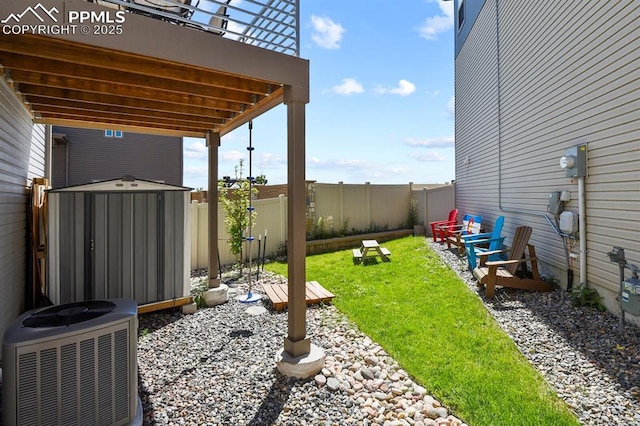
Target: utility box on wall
<point x="631" y="296"/>
<point x="122" y="238"/>
<point x="568" y="222"/>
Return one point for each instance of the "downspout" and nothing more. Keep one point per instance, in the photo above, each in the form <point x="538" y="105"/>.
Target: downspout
<point x="66" y="164"/>
<point x="555" y="228"/>
<point x="48" y="151"/>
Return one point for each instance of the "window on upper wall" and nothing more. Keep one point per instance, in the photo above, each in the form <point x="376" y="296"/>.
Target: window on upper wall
<point x="113" y="133"/>
<point x="460" y="13"/>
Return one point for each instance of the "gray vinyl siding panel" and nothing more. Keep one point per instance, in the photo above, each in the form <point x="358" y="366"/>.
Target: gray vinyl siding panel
<point x="476" y="122"/>
<point x="21" y="158"/>
<point x="568" y="75"/>
<point x="94" y="157"/>
<point x="37" y="153"/>
<point x="58" y="171"/>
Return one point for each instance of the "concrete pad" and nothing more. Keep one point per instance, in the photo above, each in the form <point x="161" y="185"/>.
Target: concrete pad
<point x="216" y="296"/>
<point x="303" y="366"/>
<point x="189" y="308"/>
<point x="256" y="310"/>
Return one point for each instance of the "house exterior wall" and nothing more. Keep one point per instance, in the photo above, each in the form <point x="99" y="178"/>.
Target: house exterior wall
<point x="91" y="156"/>
<point x="22" y="157"/>
<point x="533" y="79"/>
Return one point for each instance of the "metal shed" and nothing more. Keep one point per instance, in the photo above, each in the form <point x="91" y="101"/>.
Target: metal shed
<point x="118" y="238"/>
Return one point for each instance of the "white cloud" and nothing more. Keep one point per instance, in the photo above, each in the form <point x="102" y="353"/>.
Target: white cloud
<point x="404" y="88"/>
<point x="195" y="149"/>
<point x="349" y="86"/>
<point x="326" y="33"/>
<point x="428" y="156"/>
<point x="357" y="170"/>
<point x="435" y="25"/>
<point x="233" y="156"/>
<point x="346" y="164"/>
<point x="269" y="160"/>
<point x="440" y="142"/>
<point x="451" y="108"/>
<point x="195" y="176"/>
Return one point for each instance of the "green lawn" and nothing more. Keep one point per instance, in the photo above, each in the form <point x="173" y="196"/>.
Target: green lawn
<point x="424" y="316"/>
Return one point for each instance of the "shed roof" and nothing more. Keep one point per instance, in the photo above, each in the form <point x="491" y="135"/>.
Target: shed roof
<point x="124" y="184"/>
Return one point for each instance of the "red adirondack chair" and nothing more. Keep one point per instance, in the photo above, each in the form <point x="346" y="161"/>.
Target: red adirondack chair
<point x="440" y="228"/>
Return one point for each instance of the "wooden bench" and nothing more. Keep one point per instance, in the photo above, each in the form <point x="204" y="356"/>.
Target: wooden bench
<point x="357" y="255"/>
<point x="279" y="294"/>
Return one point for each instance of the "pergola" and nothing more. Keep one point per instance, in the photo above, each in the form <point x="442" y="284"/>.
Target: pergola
<point x="162" y="78"/>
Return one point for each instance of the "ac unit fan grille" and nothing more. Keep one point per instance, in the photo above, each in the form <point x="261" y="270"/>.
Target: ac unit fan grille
<point x="68" y="383"/>
<point x="80" y="383"/>
<point x="68" y="314"/>
<point x="28" y="398"/>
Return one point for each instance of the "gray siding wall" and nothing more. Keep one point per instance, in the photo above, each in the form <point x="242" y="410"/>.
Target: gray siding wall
<point x="566" y="75"/>
<point x="21" y="158"/>
<point x="93" y="157"/>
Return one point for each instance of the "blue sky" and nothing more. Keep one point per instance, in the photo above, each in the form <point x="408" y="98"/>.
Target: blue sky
<point x="381" y="99"/>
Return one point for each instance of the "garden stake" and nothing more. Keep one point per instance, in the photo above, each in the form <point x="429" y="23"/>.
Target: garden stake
<point x="258" y="265"/>
<point x="264" y="248"/>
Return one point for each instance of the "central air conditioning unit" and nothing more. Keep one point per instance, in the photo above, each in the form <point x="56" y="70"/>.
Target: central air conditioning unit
<point x="72" y="364"/>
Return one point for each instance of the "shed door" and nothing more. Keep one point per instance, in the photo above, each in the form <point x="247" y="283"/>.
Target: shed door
<point x="126" y="253"/>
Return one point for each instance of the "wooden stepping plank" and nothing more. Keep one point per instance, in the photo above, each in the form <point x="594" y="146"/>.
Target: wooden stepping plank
<point x="277" y="293"/>
<point x="314" y="293"/>
<point x="319" y="293"/>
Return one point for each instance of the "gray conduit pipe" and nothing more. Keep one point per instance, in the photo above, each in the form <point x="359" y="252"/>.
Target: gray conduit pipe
<point x="582" y="229"/>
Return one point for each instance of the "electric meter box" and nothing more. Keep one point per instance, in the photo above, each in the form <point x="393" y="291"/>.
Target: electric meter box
<point x="574" y="161"/>
<point x="631" y="296"/>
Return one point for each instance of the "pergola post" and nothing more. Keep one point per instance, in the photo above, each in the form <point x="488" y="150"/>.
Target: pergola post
<point x="217" y="293"/>
<point x="299" y="357"/>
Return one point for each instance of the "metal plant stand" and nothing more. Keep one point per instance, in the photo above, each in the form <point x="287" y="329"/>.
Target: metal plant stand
<point x="250" y="296"/>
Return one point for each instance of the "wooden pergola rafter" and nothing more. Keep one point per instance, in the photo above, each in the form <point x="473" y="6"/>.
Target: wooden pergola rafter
<point x="64" y="82"/>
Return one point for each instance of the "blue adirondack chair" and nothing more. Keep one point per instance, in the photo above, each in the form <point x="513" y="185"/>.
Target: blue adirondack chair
<point x="492" y="241"/>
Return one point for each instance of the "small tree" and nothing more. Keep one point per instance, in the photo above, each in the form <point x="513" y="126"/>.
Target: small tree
<point x="412" y="215"/>
<point x="235" y="202"/>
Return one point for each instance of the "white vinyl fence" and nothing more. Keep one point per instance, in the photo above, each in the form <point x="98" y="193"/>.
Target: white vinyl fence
<point x="362" y="207"/>
<point x="434" y="204"/>
<point x="271" y="219"/>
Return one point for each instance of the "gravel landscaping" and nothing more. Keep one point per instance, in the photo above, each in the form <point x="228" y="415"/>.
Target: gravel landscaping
<point x="578" y="350"/>
<point x="217" y="366"/>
